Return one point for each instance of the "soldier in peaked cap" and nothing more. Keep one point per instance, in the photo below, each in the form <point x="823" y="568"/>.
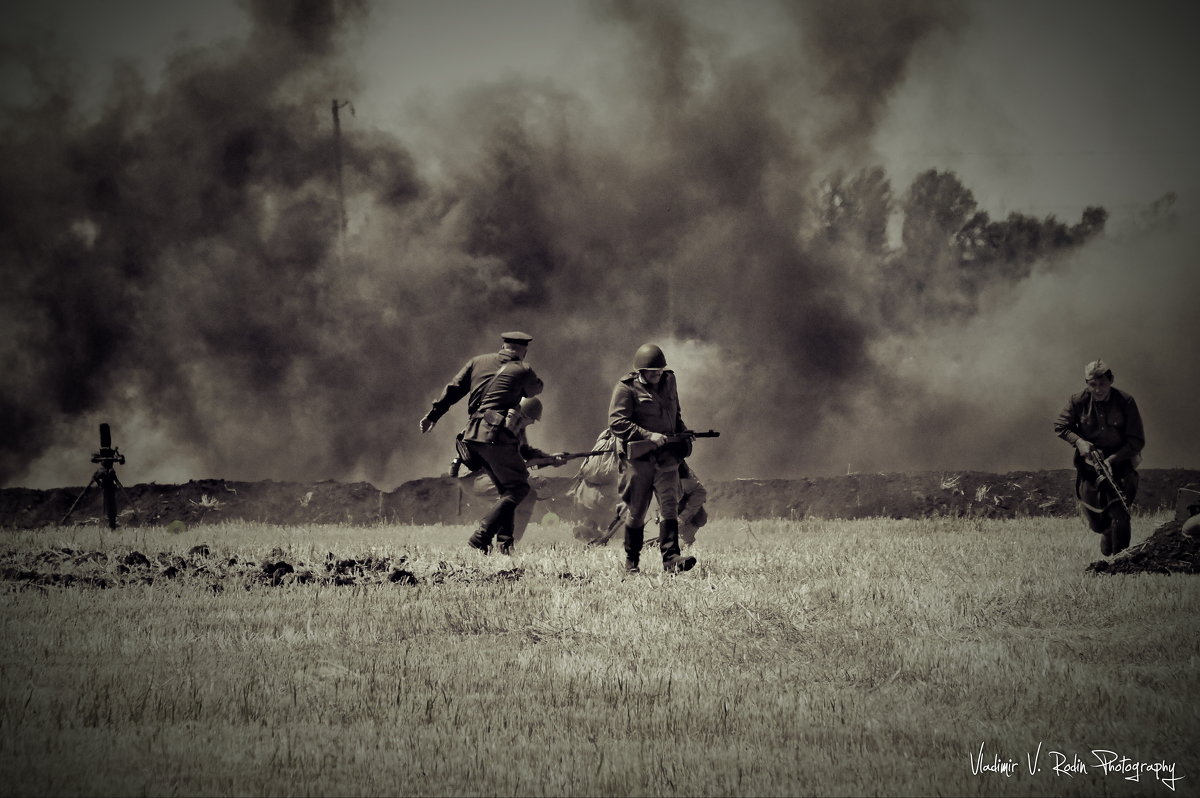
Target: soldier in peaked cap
<point x="494" y="385"/>
<point x="1106" y="420"/>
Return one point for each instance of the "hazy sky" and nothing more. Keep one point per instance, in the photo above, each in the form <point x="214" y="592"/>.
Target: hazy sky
<point x="1054" y="105"/>
<point x="1039" y="108"/>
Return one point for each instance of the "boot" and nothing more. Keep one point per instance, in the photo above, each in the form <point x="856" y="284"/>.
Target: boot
<point x="480" y="540"/>
<point x="668" y="544"/>
<point x="497" y="524"/>
<point x="633" y="547"/>
<point x="504" y="540"/>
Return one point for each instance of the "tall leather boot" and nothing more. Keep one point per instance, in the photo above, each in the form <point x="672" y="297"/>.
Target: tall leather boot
<point x="505" y="524"/>
<point x="668" y="544"/>
<point x="493" y="525"/>
<point x="633" y="546"/>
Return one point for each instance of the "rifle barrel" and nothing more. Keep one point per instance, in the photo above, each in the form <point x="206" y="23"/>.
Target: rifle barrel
<point x="538" y="462"/>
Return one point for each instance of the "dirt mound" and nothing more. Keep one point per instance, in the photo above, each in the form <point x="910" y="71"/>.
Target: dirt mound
<point x="973" y="494"/>
<point x="453" y="501"/>
<point x="201" y="501"/>
<point x="1173" y="548"/>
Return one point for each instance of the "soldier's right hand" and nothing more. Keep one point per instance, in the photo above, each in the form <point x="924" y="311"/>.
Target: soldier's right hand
<point x="427" y="424"/>
<point x="658" y="439"/>
<point x="1083" y="447"/>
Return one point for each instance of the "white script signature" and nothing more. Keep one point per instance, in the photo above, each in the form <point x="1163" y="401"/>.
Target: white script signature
<point x="1059" y="763"/>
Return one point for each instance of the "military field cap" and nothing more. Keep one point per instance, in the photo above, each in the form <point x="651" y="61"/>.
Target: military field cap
<point x="516" y="337"/>
<point x="1097" y="368"/>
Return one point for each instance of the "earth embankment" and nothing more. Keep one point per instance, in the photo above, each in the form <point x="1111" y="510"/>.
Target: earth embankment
<point x="459" y="501"/>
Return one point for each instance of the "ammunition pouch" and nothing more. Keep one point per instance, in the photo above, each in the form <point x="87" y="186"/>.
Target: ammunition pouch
<point x="486" y="426"/>
<point x="492" y="423"/>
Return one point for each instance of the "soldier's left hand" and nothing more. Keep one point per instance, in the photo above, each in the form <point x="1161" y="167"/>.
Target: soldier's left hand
<point x="560" y="458"/>
<point x="1111" y="461"/>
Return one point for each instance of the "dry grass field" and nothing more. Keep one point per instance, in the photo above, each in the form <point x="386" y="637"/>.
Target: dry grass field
<point x="937" y="656"/>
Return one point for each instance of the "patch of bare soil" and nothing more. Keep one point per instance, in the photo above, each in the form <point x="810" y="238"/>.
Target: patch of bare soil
<point x="64" y="567"/>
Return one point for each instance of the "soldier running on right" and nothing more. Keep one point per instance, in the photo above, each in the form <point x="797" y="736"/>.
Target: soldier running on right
<point x="1105" y="427"/>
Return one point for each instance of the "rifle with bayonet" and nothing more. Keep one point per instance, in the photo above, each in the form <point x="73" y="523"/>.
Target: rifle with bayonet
<point x="560" y="459"/>
<point x="1096" y="458"/>
<point x="636" y="449"/>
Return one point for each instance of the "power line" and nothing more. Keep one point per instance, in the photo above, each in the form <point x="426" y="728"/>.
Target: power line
<point x="337" y="158"/>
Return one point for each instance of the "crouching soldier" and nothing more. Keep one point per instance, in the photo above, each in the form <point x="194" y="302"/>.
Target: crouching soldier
<point x="1104" y="426"/>
<point x="593" y="492"/>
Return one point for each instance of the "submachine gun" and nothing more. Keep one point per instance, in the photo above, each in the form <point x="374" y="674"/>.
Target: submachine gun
<point x="1096" y="459"/>
<point x="106" y="478"/>
<point x="636" y="449"/>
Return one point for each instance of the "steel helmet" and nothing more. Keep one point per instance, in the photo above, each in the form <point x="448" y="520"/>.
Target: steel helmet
<point x="649" y="356"/>
<point x="531" y="408"/>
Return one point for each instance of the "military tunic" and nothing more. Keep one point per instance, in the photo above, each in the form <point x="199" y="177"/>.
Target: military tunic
<point x="638" y="409"/>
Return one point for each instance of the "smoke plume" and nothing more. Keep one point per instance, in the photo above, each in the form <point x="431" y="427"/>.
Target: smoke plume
<point x="177" y="265"/>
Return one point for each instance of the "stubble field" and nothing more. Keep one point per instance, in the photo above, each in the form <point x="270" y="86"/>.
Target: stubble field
<point x="799" y="658"/>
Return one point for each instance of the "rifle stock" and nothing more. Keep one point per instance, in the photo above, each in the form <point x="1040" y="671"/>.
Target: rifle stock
<point x="636" y="449"/>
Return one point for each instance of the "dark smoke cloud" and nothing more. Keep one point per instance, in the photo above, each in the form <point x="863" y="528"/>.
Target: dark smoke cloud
<point x="859" y="54"/>
<point x="176" y="266"/>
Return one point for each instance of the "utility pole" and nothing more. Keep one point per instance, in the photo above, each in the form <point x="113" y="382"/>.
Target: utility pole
<point x="337" y="157"/>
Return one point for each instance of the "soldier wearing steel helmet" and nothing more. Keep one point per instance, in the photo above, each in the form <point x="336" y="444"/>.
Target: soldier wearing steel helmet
<point x="494" y="383"/>
<point x="1103" y="419"/>
<point x="645" y="406"/>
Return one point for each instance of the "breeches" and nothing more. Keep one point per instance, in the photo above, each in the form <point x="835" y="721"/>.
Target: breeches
<point x="486" y="488"/>
<point x="644" y="479"/>
<point x="506" y="468"/>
